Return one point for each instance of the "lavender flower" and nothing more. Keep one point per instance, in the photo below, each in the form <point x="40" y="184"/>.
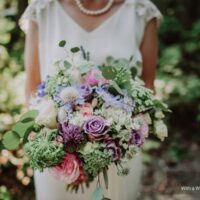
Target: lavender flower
<point x="108" y="98"/>
<point x="72" y="135"/>
<point x="112" y="146"/>
<point x="96" y="128"/>
<point x="124" y="103"/>
<point x="41" y="89"/>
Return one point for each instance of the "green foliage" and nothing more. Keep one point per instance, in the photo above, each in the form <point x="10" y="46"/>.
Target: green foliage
<point x="96" y="162"/>
<point x="105" y="176"/>
<point x="4" y="193"/>
<point x="75" y="49"/>
<point x="29" y="116"/>
<point x="42" y="152"/>
<point x="62" y="43"/>
<point x="11" y="140"/>
<point x="25" y="125"/>
<point x="67" y="64"/>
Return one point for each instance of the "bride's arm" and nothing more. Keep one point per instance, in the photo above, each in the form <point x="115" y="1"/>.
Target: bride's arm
<point x="31" y="61"/>
<point x="149" y="50"/>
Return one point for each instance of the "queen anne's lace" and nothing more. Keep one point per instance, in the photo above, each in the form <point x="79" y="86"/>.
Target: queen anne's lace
<point x="31" y="12"/>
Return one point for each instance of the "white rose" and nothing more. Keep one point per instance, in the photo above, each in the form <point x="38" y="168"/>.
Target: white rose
<point x="160" y="129"/>
<point x="47" y="113"/>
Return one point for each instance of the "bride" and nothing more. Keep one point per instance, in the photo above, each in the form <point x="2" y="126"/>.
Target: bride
<point x="120" y="28"/>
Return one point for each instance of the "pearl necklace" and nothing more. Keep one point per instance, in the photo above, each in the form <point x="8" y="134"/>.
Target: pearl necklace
<point x="94" y="12"/>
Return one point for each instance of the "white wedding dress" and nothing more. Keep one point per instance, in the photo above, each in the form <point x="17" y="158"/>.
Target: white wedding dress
<point x="119" y="36"/>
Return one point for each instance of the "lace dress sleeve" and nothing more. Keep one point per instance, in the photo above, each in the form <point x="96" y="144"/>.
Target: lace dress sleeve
<point x="32" y="12"/>
<point x="148" y="11"/>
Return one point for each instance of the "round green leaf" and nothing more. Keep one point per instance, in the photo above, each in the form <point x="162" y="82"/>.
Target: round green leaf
<point x="75" y="49"/>
<point x="67" y="64"/>
<point x="22" y="128"/>
<point x="11" y="140"/>
<point x="62" y="43"/>
<point x="29" y="116"/>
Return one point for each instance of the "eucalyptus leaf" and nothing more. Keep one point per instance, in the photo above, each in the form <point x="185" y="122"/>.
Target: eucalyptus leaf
<point x="62" y="43"/>
<point x="108" y="72"/>
<point x="84" y="69"/>
<point x="110" y="60"/>
<point x="75" y="49"/>
<point x="123" y="63"/>
<point x="11" y="140"/>
<point x="67" y="65"/>
<point x="98" y="194"/>
<point x="21" y="129"/>
<point x="29" y="116"/>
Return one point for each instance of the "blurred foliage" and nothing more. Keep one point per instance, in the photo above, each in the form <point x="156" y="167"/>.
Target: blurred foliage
<point x="178" y="83"/>
<point x="4" y="193"/>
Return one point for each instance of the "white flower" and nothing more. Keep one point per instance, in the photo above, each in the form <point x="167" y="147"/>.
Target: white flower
<point x="148" y="118"/>
<point x="160" y="129"/>
<point x="159" y="115"/>
<point x="68" y="94"/>
<point x="109" y="121"/>
<point x="89" y="148"/>
<point x="78" y="119"/>
<point x="47" y="113"/>
<point x="118" y="127"/>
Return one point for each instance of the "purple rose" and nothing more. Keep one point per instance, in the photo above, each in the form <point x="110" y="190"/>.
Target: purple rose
<point x="85" y="90"/>
<point x="112" y="146"/>
<point x="137" y="138"/>
<point x="96" y="128"/>
<point x="72" y="135"/>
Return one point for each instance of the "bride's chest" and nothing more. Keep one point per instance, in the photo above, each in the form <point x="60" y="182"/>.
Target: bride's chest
<point x="118" y="36"/>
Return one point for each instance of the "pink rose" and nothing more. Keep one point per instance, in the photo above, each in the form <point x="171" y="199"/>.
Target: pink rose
<point x="82" y="178"/>
<point x="86" y="109"/>
<point x="94" y="77"/>
<point x="68" y="170"/>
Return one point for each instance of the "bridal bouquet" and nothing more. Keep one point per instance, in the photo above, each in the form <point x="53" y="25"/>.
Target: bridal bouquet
<point x="86" y="117"/>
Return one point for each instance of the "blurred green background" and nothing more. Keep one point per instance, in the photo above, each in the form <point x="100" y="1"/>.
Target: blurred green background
<point x="168" y="166"/>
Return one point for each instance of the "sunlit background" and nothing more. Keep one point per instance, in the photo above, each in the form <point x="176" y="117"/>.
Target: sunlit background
<point x="167" y="167"/>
